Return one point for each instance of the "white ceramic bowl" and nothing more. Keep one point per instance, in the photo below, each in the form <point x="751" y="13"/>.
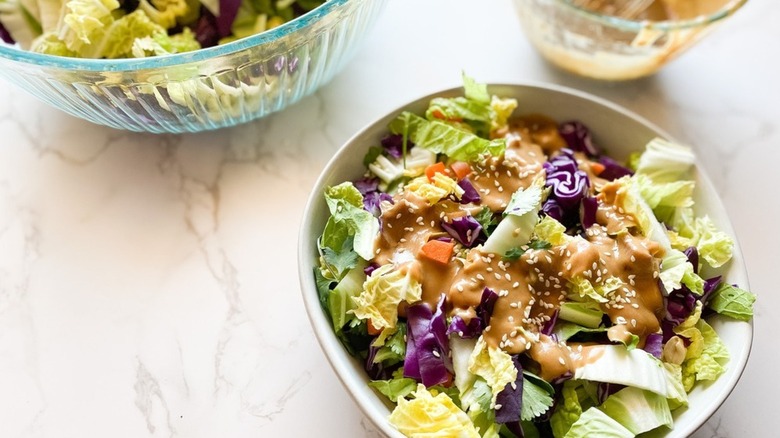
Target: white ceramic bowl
<point x="619" y="132"/>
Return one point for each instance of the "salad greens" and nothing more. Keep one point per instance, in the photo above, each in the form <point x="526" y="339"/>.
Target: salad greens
<point x="136" y="29"/>
<point x="568" y="306"/>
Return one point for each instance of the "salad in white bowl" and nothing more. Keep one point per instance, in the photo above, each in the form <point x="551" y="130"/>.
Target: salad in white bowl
<point x="501" y="275"/>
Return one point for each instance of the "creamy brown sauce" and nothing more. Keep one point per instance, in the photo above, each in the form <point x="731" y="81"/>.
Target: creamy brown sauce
<point x="531" y="288"/>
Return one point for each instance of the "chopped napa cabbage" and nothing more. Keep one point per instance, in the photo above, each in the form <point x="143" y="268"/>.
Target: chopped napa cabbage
<point x="440" y="137"/>
<point x="714" y="246"/>
<point x="160" y="43"/>
<point x="392" y="345"/>
<point x="676" y="270"/>
<point x="634" y="204"/>
<point x="50" y="44"/>
<point x="664" y="198"/>
<point x="473" y="90"/>
<point x="84" y="23"/>
<point x="706" y="362"/>
<point x="664" y="161"/>
<point x="733" y="302"/>
<point x="676" y="391"/>
<point x="164" y="12"/>
<point x="340" y="299"/>
<point x="346" y="208"/>
<point x="493" y="365"/>
<point x="461" y="350"/>
<point x="395" y="388"/>
<point x="568" y="410"/>
<point x="595" y="422"/>
<point x="552" y="231"/>
<point x="565" y="330"/>
<point x="390" y="170"/>
<point x="19" y="22"/>
<point x="436" y="190"/>
<point x="637" y="410"/>
<point x="616" y="364"/>
<point x="382" y="292"/>
<point x="518" y="225"/>
<point x="584" y="289"/>
<point x="586" y="314"/>
<point x="502" y="110"/>
<point x="431" y="416"/>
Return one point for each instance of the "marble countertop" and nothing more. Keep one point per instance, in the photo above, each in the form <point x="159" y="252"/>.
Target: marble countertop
<point x="148" y="284"/>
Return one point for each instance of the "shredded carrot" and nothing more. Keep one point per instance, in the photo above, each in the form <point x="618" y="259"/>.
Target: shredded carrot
<point x="438" y="251"/>
<point x="461" y="169"/>
<point x="433" y="169"/>
<point x="597" y="168"/>
<point x="437" y="114"/>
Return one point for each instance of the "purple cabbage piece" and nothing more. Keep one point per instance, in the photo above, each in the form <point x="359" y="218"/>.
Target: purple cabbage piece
<point x="604" y="390"/>
<point x="588" y="212"/>
<point x="693" y="257"/>
<point x="709" y="287"/>
<point x="569" y="184"/>
<point x="654" y="344"/>
<point x="464" y="229"/>
<point x="547" y="329"/>
<point x="612" y="169"/>
<point x="394" y="145"/>
<point x="5" y="35"/>
<point x="205" y="29"/>
<point x="470" y="194"/>
<point x="466" y="331"/>
<point x="372" y="197"/>
<point x="680" y="304"/>
<point x="370" y="268"/>
<point x="228" y="9"/>
<point x="474" y="328"/>
<point x="427" y="347"/>
<point x="511" y="397"/>
<point x="578" y="138"/>
<point x="553" y="209"/>
<point x="376" y="371"/>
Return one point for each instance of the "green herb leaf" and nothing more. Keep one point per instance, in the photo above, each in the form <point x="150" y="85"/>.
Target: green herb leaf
<point x="371" y="155"/>
<point x="486" y="219"/>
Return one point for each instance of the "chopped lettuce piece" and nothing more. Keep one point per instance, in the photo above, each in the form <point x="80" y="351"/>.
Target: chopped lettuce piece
<point x="493" y="365"/>
<point x="474" y="90"/>
<point x="550" y="230"/>
<point x="594" y="422"/>
<point x="615" y="364"/>
<point x="382" y="292"/>
<point x="85" y="22"/>
<point x="346" y="208"/>
<point x="431" y="416"/>
<point x="714" y="246"/>
<point x="639" y="411"/>
<point x="587" y="314"/>
<point x="341" y="298"/>
<point x="584" y="289"/>
<point x="706" y="363"/>
<point x="676" y="270"/>
<point x="160" y="43"/>
<point x="733" y="302"/>
<point x="664" y="161"/>
<point x="568" y="410"/>
<point x="565" y="330"/>
<point x="676" y="391"/>
<point x="443" y="138"/>
<point x="522" y="214"/>
<point x="395" y="388"/>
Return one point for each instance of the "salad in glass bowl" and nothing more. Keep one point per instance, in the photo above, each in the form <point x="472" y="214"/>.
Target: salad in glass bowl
<point x="503" y="276"/>
<point x="138" y="28"/>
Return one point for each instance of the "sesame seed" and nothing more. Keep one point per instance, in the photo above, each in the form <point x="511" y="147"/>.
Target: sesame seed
<point x="513" y="305"/>
<point x="389" y="225"/>
<point x="655" y="274"/>
<point x="633" y="258"/>
<point x="549" y="260"/>
<point x="515" y="284"/>
<point x="500" y="189"/>
<point x="402" y="240"/>
<point x="460" y="288"/>
<point x="635" y="305"/>
<point x="620" y="320"/>
<point x="480" y="277"/>
<point x="633" y="322"/>
<point x="497" y="275"/>
<point x="527" y="345"/>
<point x="398" y="216"/>
<point x="489" y="269"/>
<point x="436" y="353"/>
<point x="498" y="406"/>
<point x="433" y="224"/>
<point x="561" y="361"/>
<point x="508" y="277"/>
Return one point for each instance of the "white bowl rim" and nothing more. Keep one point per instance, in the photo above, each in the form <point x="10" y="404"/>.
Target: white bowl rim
<point x="337" y="354"/>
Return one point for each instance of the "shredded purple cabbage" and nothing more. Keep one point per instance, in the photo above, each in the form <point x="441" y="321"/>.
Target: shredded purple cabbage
<point x="5" y="35"/>
<point x="654" y="344"/>
<point x="394" y="145"/>
<point x="569" y="186"/>
<point x="205" y="29"/>
<point x="692" y="253"/>
<point x="376" y="371"/>
<point x="475" y="326"/>
<point x="578" y="138"/>
<point x="372" y="197"/>
<point x="511" y="397"/>
<point x="464" y="229"/>
<point x="709" y="287"/>
<point x="427" y="347"/>
<point x="469" y="192"/>
<point x="366" y="185"/>
<point x="588" y="212"/>
<point x="604" y="390"/>
<point x="612" y="169"/>
<point x="370" y="268"/>
<point x="548" y="327"/>
<point x="228" y="9"/>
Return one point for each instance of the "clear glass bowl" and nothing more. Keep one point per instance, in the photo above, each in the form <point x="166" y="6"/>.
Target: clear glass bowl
<point x="202" y="90"/>
<point x="606" y="47"/>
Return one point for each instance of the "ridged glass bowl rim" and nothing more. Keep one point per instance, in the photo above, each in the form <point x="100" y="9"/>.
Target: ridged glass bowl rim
<point x="666" y="26"/>
<point x="124" y="65"/>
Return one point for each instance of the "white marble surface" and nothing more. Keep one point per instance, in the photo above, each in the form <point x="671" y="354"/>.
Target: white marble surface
<point x="148" y="283"/>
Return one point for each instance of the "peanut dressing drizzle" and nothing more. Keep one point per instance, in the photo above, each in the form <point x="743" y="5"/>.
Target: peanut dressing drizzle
<point x="531" y="288"/>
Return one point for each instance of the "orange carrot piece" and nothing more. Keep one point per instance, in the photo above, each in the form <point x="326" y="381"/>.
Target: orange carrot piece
<point x="597" y="168"/>
<point x="373" y="331"/>
<point x="461" y="169"/>
<point x="438" y="251"/>
<point x="433" y="169"/>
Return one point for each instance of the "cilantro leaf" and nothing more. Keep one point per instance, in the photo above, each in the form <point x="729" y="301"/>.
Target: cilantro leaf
<point x="486" y="219"/>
